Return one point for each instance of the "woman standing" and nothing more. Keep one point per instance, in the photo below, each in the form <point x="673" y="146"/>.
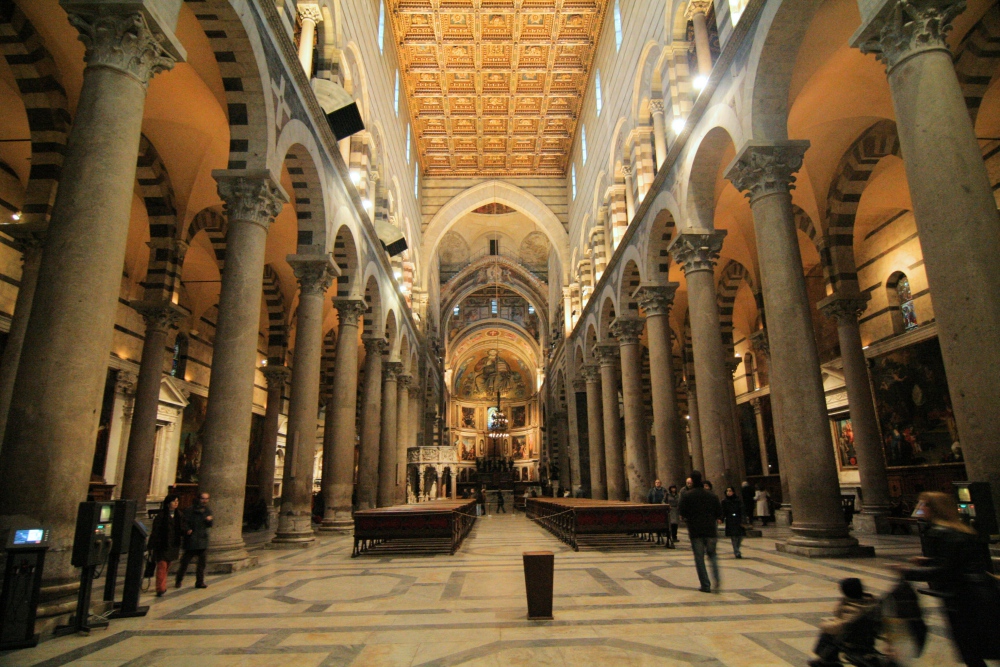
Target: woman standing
<point x="674" y="501"/>
<point x="165" y="540"/>
<point x="762" y="499"/>
<point x="957" y="567"/>
<point x="732" y="511"/>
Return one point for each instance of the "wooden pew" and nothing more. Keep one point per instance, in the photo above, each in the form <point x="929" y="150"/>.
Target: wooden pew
<point x="448" y="520"/>
<point x="569" y="518"/>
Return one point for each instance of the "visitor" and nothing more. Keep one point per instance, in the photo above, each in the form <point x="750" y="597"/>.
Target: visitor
<point x="657" y="495"/>
<point x="674" y="501"/>
<point x="688" y="485"/>
<point x="763" y="502"/>
<point x="732" y="509"/>
<point x="958" y="571"/>
<point x="165" y="539"/>
<point x="746" y="494"/>
<point x="500" y="505"/>
<point x="197" y="521"/>
<point x="702" y="511"/>
<point x="707" y="485"/>
<point x="481" y="501"/>
<point x="853" y="628"/>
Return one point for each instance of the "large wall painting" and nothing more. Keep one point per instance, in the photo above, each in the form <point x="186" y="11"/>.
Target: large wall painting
<point x="482" y="375"/>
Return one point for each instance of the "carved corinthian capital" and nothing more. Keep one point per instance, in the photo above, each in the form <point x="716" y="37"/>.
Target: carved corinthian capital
<point x="606" y="354"/>
<point x="159" y="315"/>
<point x="310" y="13"/>
<point x="276" y="375"/>
<point x="591" y="372"/>
<point x="899" y="29"/>
<point x="697" y="7"/>
<point x="350" y="310"/>
<point x="760" y="343"/>
<point x="656" y="299"/>
<point x="766" y="168"/>
<point x="120" y="41"/>
<point x="253" y="196"/>
<point x="375" y="345"/>
<point x="315" y="273"/>
<point x="391" y="370"/>
<point x="627" y="329"/>
<point x="844" y="307"/>
<point x="697" y="250"/>
<point x="403" y="381"/>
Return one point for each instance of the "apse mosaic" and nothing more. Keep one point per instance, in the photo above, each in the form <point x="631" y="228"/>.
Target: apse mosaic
<point x="484" y="374"/>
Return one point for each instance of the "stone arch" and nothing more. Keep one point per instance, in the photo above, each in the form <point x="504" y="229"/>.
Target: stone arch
<point x="616" y="151"/>
<point x="631" y="278"/>
<point x="608" y="313"/>
<point x="345" y="254"/>
<point x="301" y="156"/>
<point x="214" y="224"/>
<point x="642" y="87"/>
<point x="243" y="68"/>
<point x="732" y="275"/>
<point x="277" y="327"/>
<point x="805" y="224"/>
<point x="488" y="192"/>
<point x="352" y="54"/>
<point x="704" y="175"/>
<point x="977" y="59"/>
<point x="45" y="104"/>
<point x="661" y="233"/>
<point x="391" y="334"/>
<point x="373" y="313"/>
<point x="590" y="339"/>
<point x="154" y="188"/>
<point x="328" y="365"/>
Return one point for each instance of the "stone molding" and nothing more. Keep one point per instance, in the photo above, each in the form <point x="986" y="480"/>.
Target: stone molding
<point x="656" y="300"/>
<point x="627" y="329"/>
<point x="276" y="374"/>
<point x="349" y="310"/>
<point x="697" y="7"/>
<point x="767" y="168"/>
<point x="375" y="345"/>
<point x="253" y="196"/>
<point x="844" y="307"/>
<point x="606" y="353"/>
<point x="391" y="370"/>
<point x="901" y="29"/>
<point x="579" y="385"/>
<point x="403" y="381"/>
<point x="760" y="343"/>
<point x="414" y="390"/>
<point x="697" y="250"/>
<point x="314" y="272"/>
<point x="121" y="41"/>
<point x="125" y="383"/>
<point x="310" y="13"/>
<point x="591" y="373"/>
<point x="159" y="315"/>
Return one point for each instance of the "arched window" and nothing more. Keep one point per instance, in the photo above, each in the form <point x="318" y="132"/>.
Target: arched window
<point x="179" y="364"/>
<point x="573" y="179"/>
<point x="618" y="27"/>
<point x="583" y="142"/>
<point x="904" y="315"/>
<point x="381" y="27"/>
<point x="597" y="92"/>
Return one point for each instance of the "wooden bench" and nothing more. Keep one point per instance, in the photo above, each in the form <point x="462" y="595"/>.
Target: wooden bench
<point x="416" y="527"/>
<point x="570" y="518"/>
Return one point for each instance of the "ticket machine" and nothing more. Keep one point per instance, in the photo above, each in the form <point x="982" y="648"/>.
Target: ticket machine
<point x="22" y="581"/>
<point x="91" y="548"/>
<point x="975" y="506"/>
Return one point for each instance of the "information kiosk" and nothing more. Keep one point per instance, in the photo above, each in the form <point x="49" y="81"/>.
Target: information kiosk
<point x="22" y="580"/>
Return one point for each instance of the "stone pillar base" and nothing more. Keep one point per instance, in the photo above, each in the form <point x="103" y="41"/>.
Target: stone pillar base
<point x="871" y="523"/>
<point x="297" y="541"/>
<point x="336" y="526"/>
<point x="783" y="516"/>
<point x="229" y="558"/>
<point x="818" y="547"/>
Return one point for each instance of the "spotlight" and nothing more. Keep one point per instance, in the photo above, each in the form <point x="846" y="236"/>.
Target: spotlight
<point x="700" y="82"/>
<point x="367" y="204"/>
<point x="16" y="217"/>
<point x="355" y="176"/>
<point x="264" y="362"/>
<point x="678" y="125"/>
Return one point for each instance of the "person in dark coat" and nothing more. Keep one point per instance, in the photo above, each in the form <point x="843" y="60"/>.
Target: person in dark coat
<point x="165" y="539"/>
<point x="732" y="510"/>
<point x="500" y="505"/>
<point x="481" y="501"/>
<point x="957" y="567"/>
<point x="746" y="495"/>
<point x="674" y="500"/>
<point x="197" y="521"/>
<point x="657" y="495"/>
<point x="702" y="511"/>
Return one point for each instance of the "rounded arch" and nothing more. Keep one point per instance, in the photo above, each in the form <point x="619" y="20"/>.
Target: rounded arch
<point x="391" y="334"/>
<point x="608" y="313"/>
<point x="214" y="224"/>
<point x="631" y="278"/>
<point x="590" y="338"/>
<point x="488" y="192"/>
<point x="704" y="176"/>
<point x="661" y="233"/>
<point x="642" y="87"/>
<point x="373" y="313"/>
<point x="616" y="148"/>
<point x="345" y="254"/>
<point x="352" y="55"/>
<point x="277" y="327"/>
<point x="298" y="151"/>
<point x="733" y="274"/>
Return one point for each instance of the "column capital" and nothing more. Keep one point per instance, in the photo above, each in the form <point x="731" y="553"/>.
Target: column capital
<point x="764" y="168"/>
<point x="159" y="315"/>
<point x="656" y="105"/>
<point x="375" y="345"/>
<point x="626" y="170"/>
<point x="591" y="373"/>
<point x="403" y="381"/>
<point x="697" y="7"/>
<point x="414" y="390"/>
<point x="844" y="307"/>
<point x="579" y="385"/>
<point x="349" y="310"/>
<point x="697" y="250"/>
<point x="391" y="370"/>
<point x="125" y="382"/>
<point x="755" y="403"/>
<point x="627" y="329"/>
<point x="732" y="363"/>
<point x="606" y="353"/>
<point x="276" y="374"/>
<point x="310" y="13"/>
<point x="760" y="343"/>
<point x="250" y="195"/>
<point x="895" y="30"/>
<point x="315" y="272"/>
<point x="656" y="299"/>
<point x="128" y="39"/>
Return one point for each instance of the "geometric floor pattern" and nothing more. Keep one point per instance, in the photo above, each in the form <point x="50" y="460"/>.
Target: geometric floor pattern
<point x="627" y="604"/>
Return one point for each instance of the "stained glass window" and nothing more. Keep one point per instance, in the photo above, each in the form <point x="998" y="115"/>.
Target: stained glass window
<point x="906" y="303"/>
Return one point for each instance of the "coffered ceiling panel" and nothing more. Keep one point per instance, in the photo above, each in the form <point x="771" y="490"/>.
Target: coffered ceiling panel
<point x="495" y="86"/>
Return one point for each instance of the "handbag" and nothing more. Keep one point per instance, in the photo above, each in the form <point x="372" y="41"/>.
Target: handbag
<point x="150" y="568"/>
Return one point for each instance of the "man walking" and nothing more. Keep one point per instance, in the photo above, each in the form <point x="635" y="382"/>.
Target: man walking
<point x="197" y="520"/>
<point x="701" y="511"/>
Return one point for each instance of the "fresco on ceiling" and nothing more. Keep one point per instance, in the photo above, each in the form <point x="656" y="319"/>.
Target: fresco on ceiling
<point x="484" y="374"/>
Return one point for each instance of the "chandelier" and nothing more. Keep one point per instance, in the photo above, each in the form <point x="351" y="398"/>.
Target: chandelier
<point x="497" y="428"/>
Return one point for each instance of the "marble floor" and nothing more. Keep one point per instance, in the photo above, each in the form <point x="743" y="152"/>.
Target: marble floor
<point x="626" y="603"/>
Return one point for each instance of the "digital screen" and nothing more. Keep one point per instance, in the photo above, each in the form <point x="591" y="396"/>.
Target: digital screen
<point x="963" y="494"/>
<point x="29" y="536"/>
<point x="106" y="513"/>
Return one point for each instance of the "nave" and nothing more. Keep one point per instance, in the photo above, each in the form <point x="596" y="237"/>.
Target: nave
<point x="638" y="606"/>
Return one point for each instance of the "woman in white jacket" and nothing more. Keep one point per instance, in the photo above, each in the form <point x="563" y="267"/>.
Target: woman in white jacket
<point x="762" y="500"/>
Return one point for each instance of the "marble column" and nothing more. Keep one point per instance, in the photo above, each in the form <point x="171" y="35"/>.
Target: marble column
<point x="955" y="211"/>
<point x="558" y="424"/>
<point x="573" y="440"/>
<point x="309" y="15"/>
<point x="595" y="432"/>
<point x="659" y="132"/>
<point x="49" y="442"/>
<point x="656" y="301"/>
<point x="607" y="356"/>
<point x="758" y="416"/>
<point x="371" y="422"/>
<point x="388" y="451"/>
<point x="694" y="427"/>
<point x="696" y="251"/>
<point x="628" y="330"/>
<point x="783" y="515"/>
<point x="734" y="456"/>
<point x="845" y="308"/>
<point x="31" y="259"/>
<point x="338" y="448"/>
<point x="315" y="274"/>
<point x="567" y="294"/>
<point x="697" y="13"/>
<point x="276" y="377"/>
<point x="629" y="194"/>
<point x="404" y="429"/>
<point x="159" y="318"/>
<point x="766" y="171"/>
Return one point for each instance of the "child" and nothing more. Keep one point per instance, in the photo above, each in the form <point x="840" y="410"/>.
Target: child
<point x="848" y="631"/>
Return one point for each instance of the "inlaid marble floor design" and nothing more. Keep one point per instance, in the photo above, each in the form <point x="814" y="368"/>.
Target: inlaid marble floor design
<point x="622" y="606"/>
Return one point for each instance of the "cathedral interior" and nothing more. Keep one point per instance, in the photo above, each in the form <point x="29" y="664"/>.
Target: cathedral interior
<point x="321" y="257"/>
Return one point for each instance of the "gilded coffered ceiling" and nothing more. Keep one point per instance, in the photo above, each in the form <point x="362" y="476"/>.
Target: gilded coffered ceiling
<point x="495" y="86"/>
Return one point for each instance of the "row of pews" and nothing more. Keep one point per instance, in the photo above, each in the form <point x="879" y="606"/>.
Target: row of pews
<point x="422" y="527"/>
<point x="570" y="518"/>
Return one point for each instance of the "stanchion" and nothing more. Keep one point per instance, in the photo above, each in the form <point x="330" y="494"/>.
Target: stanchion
<point x="538" y="575"/>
